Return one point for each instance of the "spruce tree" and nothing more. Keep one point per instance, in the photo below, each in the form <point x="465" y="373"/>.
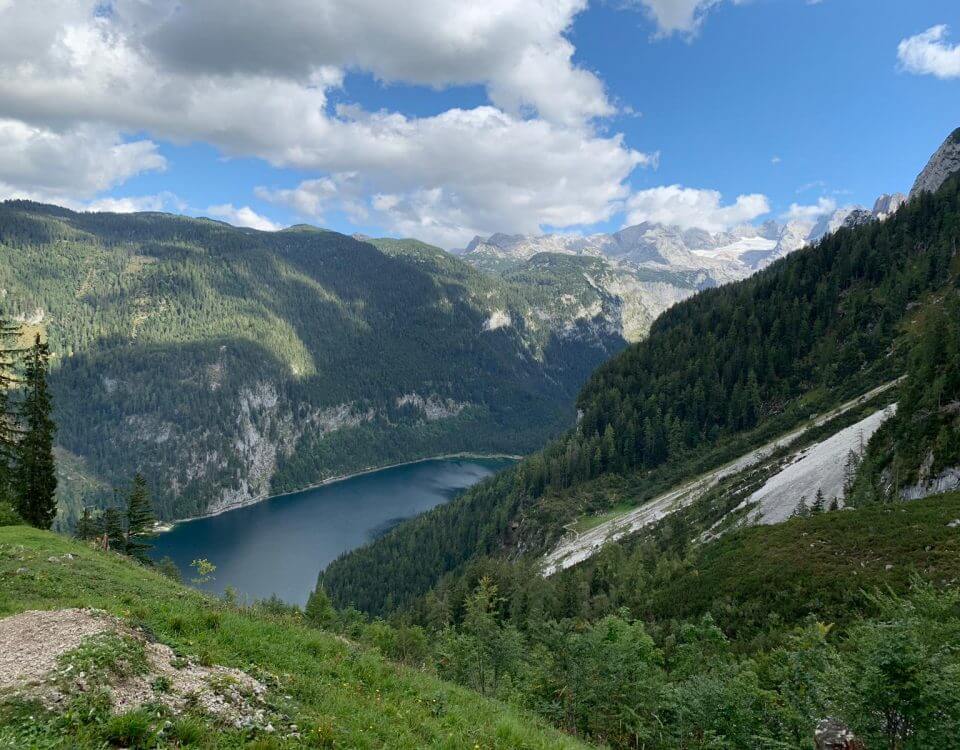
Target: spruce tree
<point x="35" y="477"/>
<point x="140" y="520"/>
<point x="111" y="530"/>
<point x="8" y="421"/>
<point x="86" y="527"/>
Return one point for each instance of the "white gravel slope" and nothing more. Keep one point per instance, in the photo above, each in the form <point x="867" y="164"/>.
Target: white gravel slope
<point x="575" y="548"/>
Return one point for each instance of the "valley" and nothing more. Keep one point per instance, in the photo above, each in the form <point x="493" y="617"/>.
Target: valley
<point x="275" y="548"/>
<point x="527" y="375"/>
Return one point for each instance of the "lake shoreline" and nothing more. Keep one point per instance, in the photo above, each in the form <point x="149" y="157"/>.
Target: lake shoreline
<point x="164" y="527"/>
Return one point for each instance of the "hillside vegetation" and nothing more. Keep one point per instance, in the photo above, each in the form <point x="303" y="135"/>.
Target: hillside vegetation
<point x="742" y="642"/>
<point x="720" y="373"/>
<point x="227" y="364"/>
<point x="335" y="693"/>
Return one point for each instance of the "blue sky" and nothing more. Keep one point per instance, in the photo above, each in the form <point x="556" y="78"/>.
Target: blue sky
<point x="783" y="102"/>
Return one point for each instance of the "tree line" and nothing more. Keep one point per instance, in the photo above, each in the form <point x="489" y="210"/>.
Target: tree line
<point x="28" y="471"/>
<point x="28" y="478"/>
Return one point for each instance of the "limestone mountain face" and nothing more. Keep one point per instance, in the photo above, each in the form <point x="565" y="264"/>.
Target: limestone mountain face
<point x="887" y="204"/>
<point x="942" y="165"/>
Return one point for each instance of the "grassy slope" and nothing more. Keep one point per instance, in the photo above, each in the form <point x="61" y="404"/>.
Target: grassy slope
<point x="355" y="697"/>
<point x="821" y="564"/>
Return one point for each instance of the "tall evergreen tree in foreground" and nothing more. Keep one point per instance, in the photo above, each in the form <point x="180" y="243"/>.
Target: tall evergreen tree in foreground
<point x="140" y="520"/>
<point x="35" y="478"/>
<point x="8" y="422"/>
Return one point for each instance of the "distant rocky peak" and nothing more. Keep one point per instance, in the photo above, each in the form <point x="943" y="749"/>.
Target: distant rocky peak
<point x="942" y="165"/>
<point x="887" y="204"/>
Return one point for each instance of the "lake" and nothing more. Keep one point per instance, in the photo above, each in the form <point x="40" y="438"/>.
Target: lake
<point x="278" y="546"/>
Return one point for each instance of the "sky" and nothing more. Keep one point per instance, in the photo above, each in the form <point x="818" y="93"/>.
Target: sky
<point x="444" y="119"/>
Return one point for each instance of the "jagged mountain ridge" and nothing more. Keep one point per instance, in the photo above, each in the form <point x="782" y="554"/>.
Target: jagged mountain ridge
<point x="661" y="251"/>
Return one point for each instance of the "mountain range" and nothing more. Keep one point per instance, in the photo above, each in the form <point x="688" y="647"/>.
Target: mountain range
<point x="651" y="266"/>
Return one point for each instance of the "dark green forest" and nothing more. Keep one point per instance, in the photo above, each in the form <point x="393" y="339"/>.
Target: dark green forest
<point x="226" y="364"/>
<point x="721" y="372"/>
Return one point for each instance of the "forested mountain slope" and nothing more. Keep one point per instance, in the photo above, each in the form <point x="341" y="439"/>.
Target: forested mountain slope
<point x="227" y="364"/>
<point x="720" y="373"/>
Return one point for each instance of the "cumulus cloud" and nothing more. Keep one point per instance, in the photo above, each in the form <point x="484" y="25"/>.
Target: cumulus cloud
<point x="464" y="172"/>
<point x="259" y="87"/>
<point x="76" y="162"/>
<point x="810" y="212"/>
<point x="242" y="217"/>
<point x="929" y="53"/>
<point x="514" y="47"/>
<point x="690" y="208"/>
<point x="678" y="16"/>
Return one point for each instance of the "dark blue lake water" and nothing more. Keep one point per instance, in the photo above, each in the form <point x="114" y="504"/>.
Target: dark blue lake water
<point x="279" y="545"/>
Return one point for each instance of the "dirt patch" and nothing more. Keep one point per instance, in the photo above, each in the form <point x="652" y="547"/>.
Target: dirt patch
<point x="39" y="653"/>
<point x="31" y="642"/>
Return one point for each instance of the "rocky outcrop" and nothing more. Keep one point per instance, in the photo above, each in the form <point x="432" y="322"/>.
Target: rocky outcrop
<point x="433" y="406"/>
<point x="832" y="734"/>
<point x="887" y="204"/>
<point x="946" y="481"/>
<point x="942" y="165"/>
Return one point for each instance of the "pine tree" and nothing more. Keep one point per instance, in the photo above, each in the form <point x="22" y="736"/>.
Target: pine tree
<point x="140" y="520"/>
<point x="111" y="530"/>
<point x="86" y="526"/>
<point x="8" y="421"/>
<point x="818" y="502"/>
<point x="35" y="476"/>
<point x="319" y="611"/>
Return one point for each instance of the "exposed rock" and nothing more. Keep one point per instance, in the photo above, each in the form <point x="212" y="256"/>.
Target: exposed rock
<point x="887" y="204"/>
<point x="942" y="165"/>
<point x="945" y="481"/>
<point x="858" y="217"/>
<point x="832" y="734"/>
<point x="433" y="406"/>
<point x="497" y="319"/>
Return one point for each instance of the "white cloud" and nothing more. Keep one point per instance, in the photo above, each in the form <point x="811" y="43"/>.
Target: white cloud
<point x="242" y="217"/>
<point x="259" y="87"/>
<point x="690" y="208"/>
<point x="678" y="16"/>
<point x="76" y="162"/>
<point x="929" y="53"/>
<point x="810" y="212"/>
<point x="516" y="48"/>
<point x="466" y="172"/>
<point x="131" y="204"/>
<point x="775" y="159"/>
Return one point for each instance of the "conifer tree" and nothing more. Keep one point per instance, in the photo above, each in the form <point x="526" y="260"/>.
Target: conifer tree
<point x="111" y="530"/>
<point x="8" y="422"/>
<point x="319" y="610"/>
<point x="86" y="527"/>
<point x="140" y="520"/>
<point x="35" y="477"/>
<point x="818" y="502"/>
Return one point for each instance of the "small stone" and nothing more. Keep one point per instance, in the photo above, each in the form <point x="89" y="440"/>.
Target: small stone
<point x="269" y="728"/>
<point x="23" y="570"/>
<point x="888" y="566"/>
<point x="954" y="523"/>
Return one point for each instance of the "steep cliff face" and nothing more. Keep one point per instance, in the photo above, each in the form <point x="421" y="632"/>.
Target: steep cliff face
<point x="942" y="165"/>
